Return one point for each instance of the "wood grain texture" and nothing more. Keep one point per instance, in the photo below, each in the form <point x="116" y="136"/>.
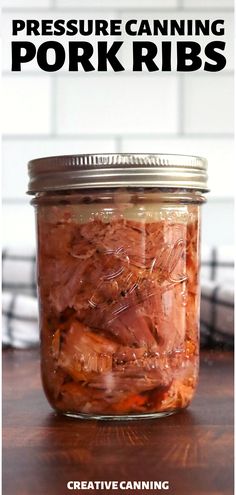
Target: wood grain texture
<point x="42" y="451"/>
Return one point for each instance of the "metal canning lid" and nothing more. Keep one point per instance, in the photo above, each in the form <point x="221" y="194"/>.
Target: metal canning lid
<point x="117" y="170"/>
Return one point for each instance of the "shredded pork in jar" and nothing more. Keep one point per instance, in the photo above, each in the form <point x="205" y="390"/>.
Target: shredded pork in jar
<point x="119" y="313"/>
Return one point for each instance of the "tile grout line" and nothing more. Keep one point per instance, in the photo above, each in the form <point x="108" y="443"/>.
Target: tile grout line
<point x="127" y="73"/>
<point x="53" y="107"/>
<point x="180" y="7"/>
<point x="180" y="106"/>
<point x="105" y="136"/>
<point x="118" y="144"/>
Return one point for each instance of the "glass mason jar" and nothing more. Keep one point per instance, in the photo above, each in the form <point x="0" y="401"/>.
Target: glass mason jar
<point x="118" y="280"/>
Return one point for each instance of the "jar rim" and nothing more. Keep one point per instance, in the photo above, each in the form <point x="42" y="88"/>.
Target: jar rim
<point x="55" y="173"/>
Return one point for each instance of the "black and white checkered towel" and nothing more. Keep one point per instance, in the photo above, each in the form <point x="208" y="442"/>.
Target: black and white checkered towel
<point x="20" y="310"/>
<point x="217" y="313"/>
<point x="19" y="271"/>
<point x="19" y="320"/>
<point x="217" y="264"/>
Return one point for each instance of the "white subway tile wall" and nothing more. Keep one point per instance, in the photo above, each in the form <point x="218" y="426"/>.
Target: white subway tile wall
<point x="219" y="153"/>
<point x="18" y="227"/>
<point x="117" y="104"/>
<point x="208" y="104"/>
<point x="208" y="4"/>
<point x="19" y="4"/>
<point x="26" y="105"/>
<point x="80" y="113"/>
<point x="17" y="152"/>
<point x="118" y="4"/>
<point x="142" y="4"/>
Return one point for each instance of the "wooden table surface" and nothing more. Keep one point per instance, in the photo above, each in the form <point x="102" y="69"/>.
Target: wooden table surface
<point x="193" y="450"/>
